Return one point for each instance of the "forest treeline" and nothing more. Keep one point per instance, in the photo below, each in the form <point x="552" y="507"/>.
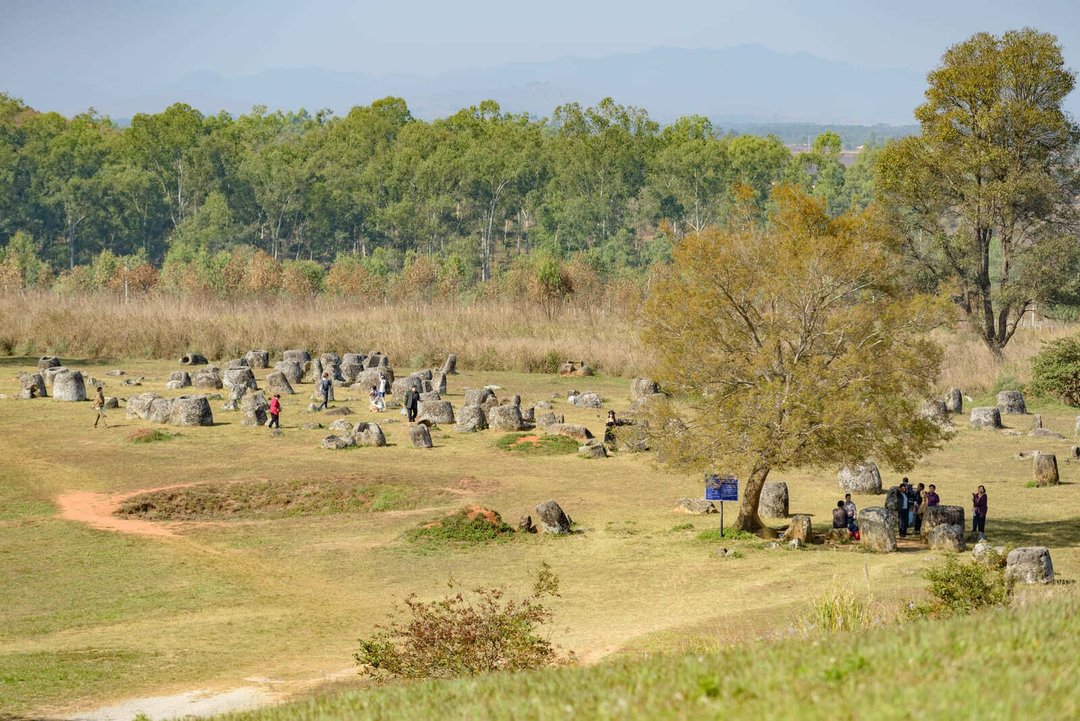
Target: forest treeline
<point x="378" y="201"/>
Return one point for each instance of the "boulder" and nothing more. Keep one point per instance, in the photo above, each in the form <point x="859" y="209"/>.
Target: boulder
<point x="478" y="396"/>
<point x="401" y="386"/>
<point x="254" y="409"/>
<point x="330" y="359"/>
<point x="236" y="395"/>
<point x="864" y="478"/>
<point x="450" y="366"/>
<point x="48" y="361"/>
<point x="892" y="500"/>
<point x="191" y="411"/>
<point x="543" y="405"/>
<point x="526" y="525"/>
<point x="580" y="433"/>
<point x="350" y="371"/>
<point x="370" y="377"/>
<point x="470" y="419"/>
<point x="430" y="396"/>
<point x="643" y="388"/>
<point x="369" y="434"/>
<point x="373" y="359"/>
<point x="985" y="418"/>
<point x="298" y="356"/>
<point x="1045" y="469"/>
<point x="593" y="449"/>
<point x="258" y="358"/>
<point x="31" y="385"/>
<point x="240" y="376"/>
<point x="528" y="414"/>
<point x="49" y="373"/>
<point x="941" y="516"/>
<point x="193" y="359"/>
<point x="294" y="372"/>
<point x="438" y="412"/>
<point x="420" y="435"/>
<point x="1011" y="403"/>
<point x="1029" y="564"/>
<point x="178" y="380"/>
<point x="936" y="411"/>
<point x="1046" y="433"/>
<point x="112" y="402"/>
<point x="341" y="425"/>
<point x="1036" y="422"/>
<point x="149" y="407"/>
<point x="773" y="502"/>
<point x="954" y="401"/>
<point x="278" y="382"/>
<point x="695" y="506"/>
<point x="340" y="411"/>
<point x="877" y="528"/>
<point x="588" y="400"/>
<point x="947" y="537"/>
<point x="313" y="371"/>
<point x="350" y="358"/>
<point x="438" y="382"/>
<point x="801" y="529"/>
<point x="69" y="386"/>
<point x="312" y="426"/>
<point x="514" y="400"/>
<point x="209" y="377"/>
<point x="505" y="418"/>
<point x="237" y="363"/>
<point x="988" y="555"/>
<point x="336" y="443"/>
<point x="551" y="518"/>
<point x="547" y="419"/>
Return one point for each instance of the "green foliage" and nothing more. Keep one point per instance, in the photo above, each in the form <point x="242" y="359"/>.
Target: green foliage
<point x="464" y="527"/>
<point x="148" y="435"/>
<point x="464" y="634"/>
<point x="729" y="534"/>
<point x="837" y="611"/>
<point x="1055" y="371"/>
<point x="963" y="587"/>
<point x="529" y="444"/>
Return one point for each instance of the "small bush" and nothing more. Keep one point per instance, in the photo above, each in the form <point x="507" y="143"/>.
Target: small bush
<point x="463" y="634"/>
<point x="959" y="588"/>
<point x="533" y="445"/>
<point x="682" y="527"/>
<point x="468" y="526"/>
<point x="1055" y="371"/>
<point x="151" y="435"/>
<point x="837" y="611"/>
<point x="729" y="534"/>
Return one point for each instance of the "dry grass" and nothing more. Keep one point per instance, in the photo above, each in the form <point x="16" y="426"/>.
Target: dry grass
<point x="969" y="365"/>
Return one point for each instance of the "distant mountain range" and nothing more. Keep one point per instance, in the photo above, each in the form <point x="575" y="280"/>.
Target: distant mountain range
<point x="744" y="84"/>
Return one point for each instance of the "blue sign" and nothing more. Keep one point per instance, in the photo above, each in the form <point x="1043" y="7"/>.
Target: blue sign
<point x="721" y="488"/>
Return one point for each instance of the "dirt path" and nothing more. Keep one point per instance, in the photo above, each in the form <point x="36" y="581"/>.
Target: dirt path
<point x="96" y="510"/>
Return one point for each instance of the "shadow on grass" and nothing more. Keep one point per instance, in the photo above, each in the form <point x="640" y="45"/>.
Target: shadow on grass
<point x="1052" y="534"/>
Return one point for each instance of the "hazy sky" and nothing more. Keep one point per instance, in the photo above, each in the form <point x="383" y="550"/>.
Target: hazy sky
<point x="58" y="44"/>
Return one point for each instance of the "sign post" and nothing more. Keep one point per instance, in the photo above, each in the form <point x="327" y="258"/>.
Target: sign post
<point x="721" y="488"/>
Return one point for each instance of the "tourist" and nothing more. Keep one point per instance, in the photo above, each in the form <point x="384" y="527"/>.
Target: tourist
<point x="839" y="516"/>
<point x="382" y="392"/>
<point x="978" y="515"/>
<point x="920" y="507"/>
<point x="932" y="498"/>
<point x="849" y="506"/>
<point x="275" y="411"/>
<point x="99" y="406"/>
<point x="325" y="385"/>
<point x="609" y="428"/>
<point x="374" y="404"/>
<point x="412" y="399"/>
<point x="905" y="507"/>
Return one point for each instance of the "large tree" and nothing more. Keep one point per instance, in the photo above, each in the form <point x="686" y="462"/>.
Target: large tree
<point x="790" y="344"/>
<point x="990" y="179"/>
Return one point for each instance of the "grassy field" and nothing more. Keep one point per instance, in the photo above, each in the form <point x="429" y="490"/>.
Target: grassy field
<point x="90" y="615"/>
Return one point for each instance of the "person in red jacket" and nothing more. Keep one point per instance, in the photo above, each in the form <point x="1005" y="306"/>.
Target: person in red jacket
<point x="275" y="411"/>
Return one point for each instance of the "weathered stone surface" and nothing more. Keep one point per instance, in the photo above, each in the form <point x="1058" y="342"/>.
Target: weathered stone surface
<point x="1036" y="421"/>
<point x="149" y="407"/>
<point x="48" y="361"/>
<point x="936" y="411"/>
<point x="588" y="399"/>
<point x="773" y="502"/>
<point x="438" y="382"/>
<point x="112" y="402"/>
<point x="178" y="379"/>
<point x="877" y="528"/>
<point x="338" y="442"/>
<point x="954" y="401"/>
<point x="593" y="448"/>
<point x="633" y="437"/>
<point x="341" y="425"/>
<point x="350" y="371"/>
<point x="988" y="555"/>
<point x="312" y="371"/>
<point x="340" y="411"/>
<point x="369" y="434"/>
<point x="1045" y="469"/>
<point x="50" y="373"/>
<point x="801" y="529"/>
<point x="237" y="363"/>
<point x="191" y="411"/>
<point x="373" y="359"/>
<point x="69" y="386"/>
<point x="430" y="396"/>
<point x="347" y="358"/>
<point x="526" y="525"/>
<point x="528" y="414"/>
<point x="236" y="396"/>
<point x="450" y="366"/>
<point x="547" y="419"/>
<point x="570" y="430"/>
<point x="254" y="409"/>
<point x="513" y="400"/>
<point x="477" y="396"/>
<point x="1011" y="403"/>
<point x="643" y="388"/>
<point x="695" y="506"/>
<point x="505" y="418"/>
<point x="258" y="358"/>
<point x="31" y="385"/>
<point x="551" y="518"/>
<point x="371" y="376"/>
<point x="862" y="478"/>
<point x="985" y="418"/>
<point x="401" y="386"/>
<point x="278" y="382"/>
<point x="242" y="376"/>
<point x="1029" y="564"/>
<point x="471" y="419"/>
<point x="193" y="359"/>
<point x="207" y="378"/>
<point x="312" y="426"/>
<point x="297" y="355"/>
<point x="941" y="516"/>
<point x="543" y="405"/>
<point x="1046" y="433"/>
<point x="420" y="435"/>
<point x="947" y="537"/>
<point x="439" y="412"/>
<point x="293" y="371"/>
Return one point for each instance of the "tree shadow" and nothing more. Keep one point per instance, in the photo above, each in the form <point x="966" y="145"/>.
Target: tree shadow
<point x="1052" y="534"/>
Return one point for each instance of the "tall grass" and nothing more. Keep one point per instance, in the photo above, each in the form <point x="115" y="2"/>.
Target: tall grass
<point x="970" y="366"/>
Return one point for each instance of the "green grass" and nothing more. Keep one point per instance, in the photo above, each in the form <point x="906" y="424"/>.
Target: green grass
<point x="458" y="529"/>
<point x="151" y="435"/>
<point x="542" y="446"/>
<point x="729" y="534"/>
<point x="1001" y="665"/>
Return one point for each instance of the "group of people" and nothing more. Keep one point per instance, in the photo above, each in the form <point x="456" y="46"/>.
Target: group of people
<point x="914" y="500"/>
<point x="843" y="516"/>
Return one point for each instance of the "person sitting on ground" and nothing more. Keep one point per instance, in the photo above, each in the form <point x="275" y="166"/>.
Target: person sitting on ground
<point x="839" y="516"/>
<point x="373" y="396"/>
<point x="932" y="498"/>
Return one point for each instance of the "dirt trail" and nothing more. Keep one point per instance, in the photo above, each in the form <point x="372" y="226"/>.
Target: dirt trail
<point x="96" y="510"/>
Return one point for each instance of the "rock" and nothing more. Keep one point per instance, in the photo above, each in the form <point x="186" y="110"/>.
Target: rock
<point x="551" y="518"/>
<point x="1036" y="422"/>
<point x="588" y="400"/>
<point x="988" y="555"/>
<point x="525" y="525"/>
<point x="373" y="359"/>
<point x="543" y="405"/>
<point x="402" y="385"/>
<point x="191" y="411"/>
<point x="438" y="412"/>
<point x="178" y="379"/>
<point x="695" y="506"/>
<point x="369" y="434"/>
<point x="528" y="414"/>
<point x="631" y="437"/>
<point x="312" y="426"/>
<point x="49" y="373"/>
<point x="430" y="396"/>
<point x="258" y="358"/>
<point x="1011" y="403"/>
<point x="254" y="409"/>
<point x="1045" y="469"/>
<point x="936" y="411"/>
<point x="370" y="377"/>
<point x="112" y="402"/>
<point x="131" y="381"/>
<point x="947" y="538"/>
<point x="31" y="385"/>
<point x="313" y="371"/>
<point x="240" y="376"/>
<point x="424" y="374"/>
<point x="1074" y="452"/>
<point x="514" y="400"/>
<point x="236" y="395"/>
<point x="1046" y="433"/>
<point x="864" y="478"/>
<point x="207" y="378"/>
<point x="478" y="396"/>
<point x="544" y="420"/>
<point x="877" y="528"/>
<point x="298" y="356"/>
<point x="796" y="544"/>
<point x="985" y="418"/>
<point x="350" y="358"/>
<point x="450" y="366"/>
<point x="350" y="372"/>
<point x="580" y="433"/>
<point x="294" y="372"/>
<point x="237" y="363"/>
<point x="149" y="407"/>
<point x="1030" y="564"/>
<point x="420" y="436"/>
<point x="954" y="401"/>
<point x="278" y="382"/>
<point x="48" y="361"/>
<point x="801" y="528"/>
<point x="193" y="359"/>
<point x="340" y="411"/>
<point x="773" y="502"/>
<point x="505" y="418"/>
<point x="941" y="516"/>
<point x="330" y="359"/>
<point x="342" y="425"/>
<point x="69" y="386"/>
<point x="643" y="388"/>
<point x="116" y="373"/>
<point x="438" y="382"/>
<point x="471" y="419"/>
<point x="337" y="443"/>
<point x="593" y="449"/>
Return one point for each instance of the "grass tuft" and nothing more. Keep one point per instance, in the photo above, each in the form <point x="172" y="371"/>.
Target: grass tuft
<point x="467" y="527"/>
<point x="151" y="435"/>
<point x="529" y="444"/>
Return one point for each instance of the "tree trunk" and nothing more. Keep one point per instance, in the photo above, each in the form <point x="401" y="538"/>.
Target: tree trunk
<point x="748" y="519"/>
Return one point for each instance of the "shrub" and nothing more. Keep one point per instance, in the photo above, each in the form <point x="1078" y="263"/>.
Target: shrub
<point x="959" y="588"/>
<point x="467" y="526"/>
<point x="463" y="634"/>
<point x="837" y="611"/>
<point x="1055" y="371"/>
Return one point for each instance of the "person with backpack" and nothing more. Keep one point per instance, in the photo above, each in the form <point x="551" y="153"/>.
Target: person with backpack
<point x="99" y="406"/>
<point x="275" y="411"/>
<point x="325" y="386"/>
